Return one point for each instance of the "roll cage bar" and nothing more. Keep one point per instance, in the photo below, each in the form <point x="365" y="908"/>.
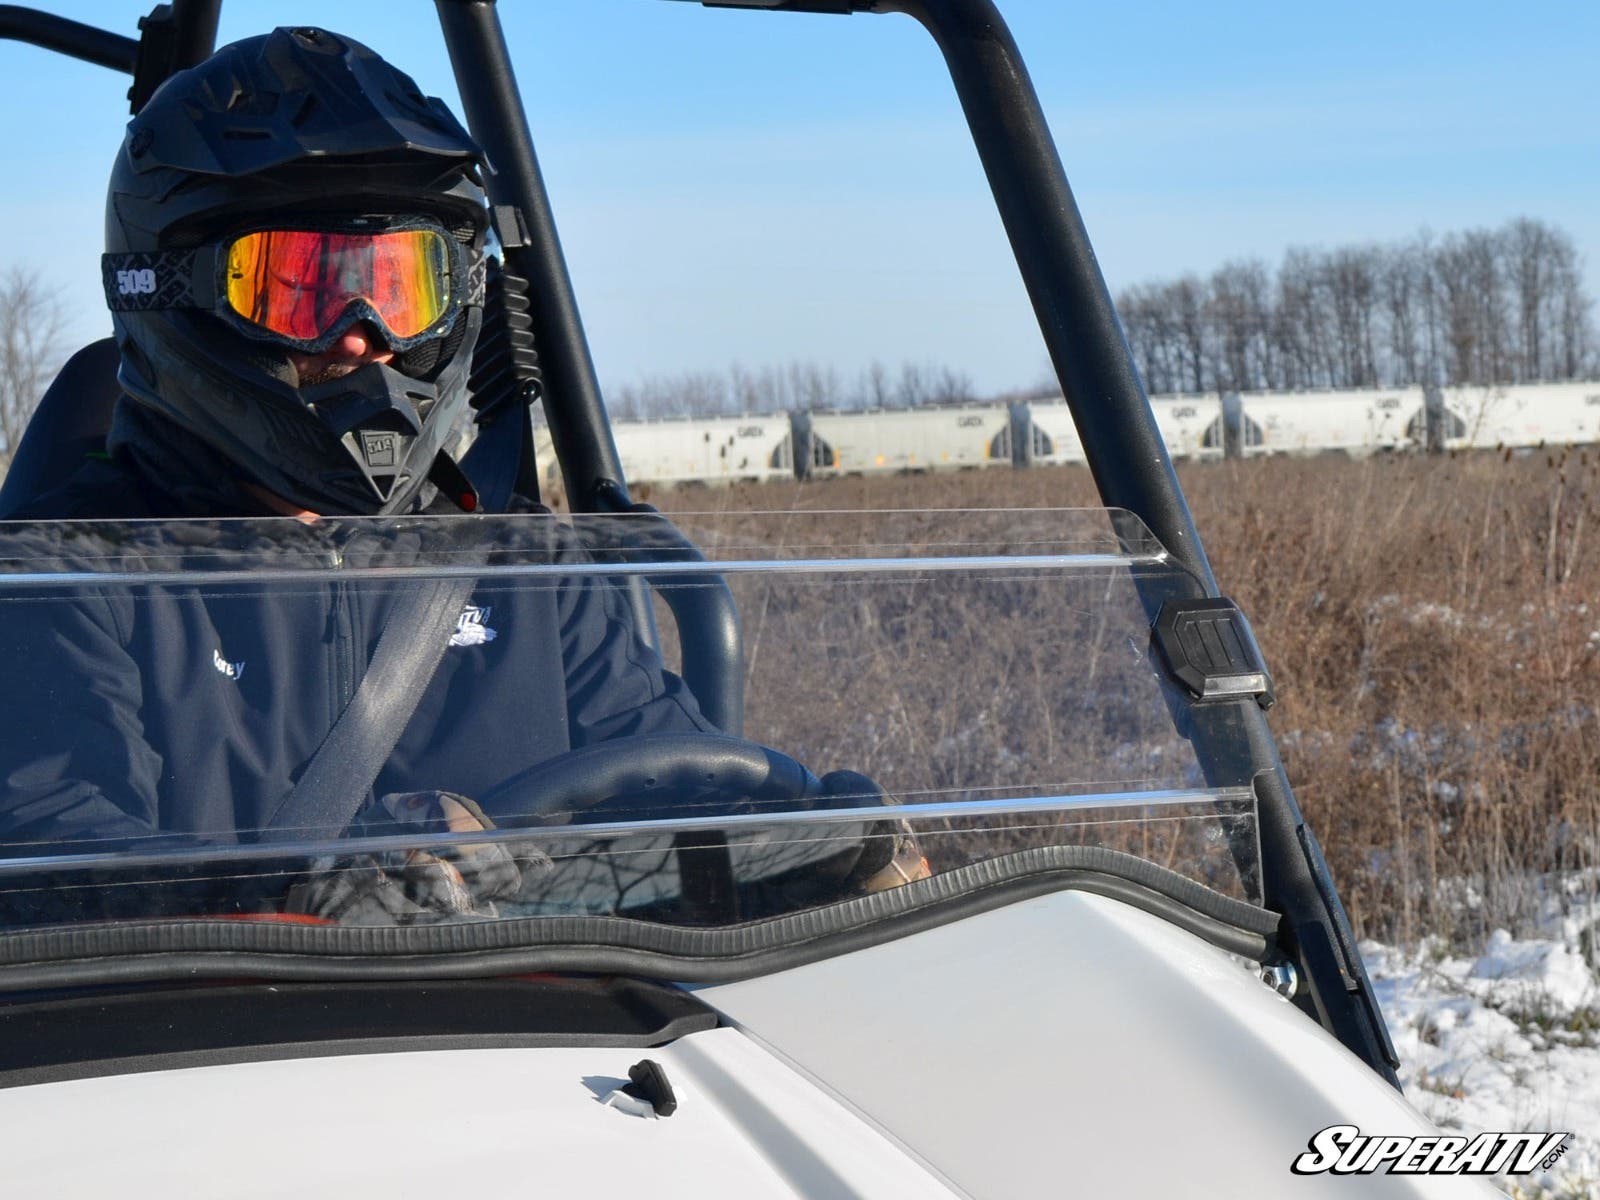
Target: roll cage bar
<point x="1125" y="451"/>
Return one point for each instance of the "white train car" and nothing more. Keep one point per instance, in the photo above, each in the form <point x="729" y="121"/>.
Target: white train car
<point x="1055" y="437"/>
<point x="1354" y="422"/>
<point x="1191" y="426"/>
<point x="1526" y="415"/>
<point x="913" y="439"/>
<point x="709" y="450"/>
<point x="713" y="450"/>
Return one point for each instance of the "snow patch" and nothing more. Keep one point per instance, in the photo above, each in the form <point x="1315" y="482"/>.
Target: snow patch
<point x="1508" y="1039"/>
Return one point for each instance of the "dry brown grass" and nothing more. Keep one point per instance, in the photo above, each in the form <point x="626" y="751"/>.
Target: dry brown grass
<point x="1433" y="626"/>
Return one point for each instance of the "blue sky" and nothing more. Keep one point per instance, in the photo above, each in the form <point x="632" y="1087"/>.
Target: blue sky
<point x="758" y="188"/>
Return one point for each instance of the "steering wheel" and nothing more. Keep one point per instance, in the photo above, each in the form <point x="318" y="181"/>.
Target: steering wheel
<point x="711" y="768"/>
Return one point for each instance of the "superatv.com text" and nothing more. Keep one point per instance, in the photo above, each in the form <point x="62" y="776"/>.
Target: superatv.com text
<point x="1345" y="1150"/>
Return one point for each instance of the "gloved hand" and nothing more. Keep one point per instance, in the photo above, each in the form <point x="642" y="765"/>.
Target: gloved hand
<point x="403" y="887"/>
<point x="896" y="856"/>
<point x="890" y="855"/>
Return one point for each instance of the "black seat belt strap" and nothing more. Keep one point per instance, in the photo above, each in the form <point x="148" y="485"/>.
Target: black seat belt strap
<point x="335" y="782"/>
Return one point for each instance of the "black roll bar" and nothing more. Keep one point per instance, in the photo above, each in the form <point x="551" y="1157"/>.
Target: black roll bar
<point x="707" y="618"/>
<point x="72" y="38"/>
<point x="195" y="28"/>
<point x="1132" y="470"/>
<point x="171" y="37"/>
<point x="494" y="113"/>
<point x="1125" y="449"/>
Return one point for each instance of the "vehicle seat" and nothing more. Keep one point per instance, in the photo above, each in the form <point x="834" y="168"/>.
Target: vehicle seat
<point x="71" y="422"/>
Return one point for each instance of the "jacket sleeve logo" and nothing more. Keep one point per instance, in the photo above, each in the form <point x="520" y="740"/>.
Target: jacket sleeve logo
<point x="233" y="670"/>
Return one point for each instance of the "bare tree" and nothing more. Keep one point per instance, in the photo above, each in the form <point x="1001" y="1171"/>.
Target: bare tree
<point x="930" y="383"/>
<point x="690" y="394"/>
<point x="1401" y="283"/>
<point x="1254" y="283"/>
<point x="1303" y="318"/>
<point x="1527" y="246"/>
<point x="1453" y="280"/>
<point x="32" y="338"/>
<point x="1187" y="302"/>
<point x="1543" y="270"/>
<point x="1490" y="313"/>
<point x="1152" y="333"/>
<point x="1351" y="287"/>
<point x="949" y="386"/>
<point x="812" y="386"/>
<point x="1572" y="319"/>
<point x="874" y="390"/>
<point x="1239" y="309"/>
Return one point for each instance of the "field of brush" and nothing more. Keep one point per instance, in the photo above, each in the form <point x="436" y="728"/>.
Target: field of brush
<point x="1433" y="628"/>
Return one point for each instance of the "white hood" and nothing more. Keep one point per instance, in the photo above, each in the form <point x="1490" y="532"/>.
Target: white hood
<point x="1064" y="1046"/>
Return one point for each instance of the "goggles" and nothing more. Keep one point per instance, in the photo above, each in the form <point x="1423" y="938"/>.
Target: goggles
<point x="304" y="287"/>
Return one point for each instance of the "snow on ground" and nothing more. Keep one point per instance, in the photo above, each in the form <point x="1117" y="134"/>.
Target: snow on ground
<point x="1508" y="1040"/>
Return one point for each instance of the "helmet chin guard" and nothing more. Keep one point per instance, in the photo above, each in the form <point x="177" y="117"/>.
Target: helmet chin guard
<point x="362" y="444"/>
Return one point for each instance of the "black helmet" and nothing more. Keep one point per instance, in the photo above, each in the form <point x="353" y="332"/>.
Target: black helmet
<point x="299" y="128"/>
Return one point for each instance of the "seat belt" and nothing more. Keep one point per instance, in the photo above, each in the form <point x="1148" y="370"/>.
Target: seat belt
<point x="335" y="783"/>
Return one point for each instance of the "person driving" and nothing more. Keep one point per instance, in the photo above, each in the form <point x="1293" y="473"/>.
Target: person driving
<point x="295" y="268"/>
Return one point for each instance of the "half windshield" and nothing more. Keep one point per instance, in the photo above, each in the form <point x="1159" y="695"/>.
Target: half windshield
<point x="706" y="723"/>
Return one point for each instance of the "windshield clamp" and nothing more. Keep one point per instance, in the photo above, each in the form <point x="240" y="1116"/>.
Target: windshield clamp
<point x="1208" y="647"/>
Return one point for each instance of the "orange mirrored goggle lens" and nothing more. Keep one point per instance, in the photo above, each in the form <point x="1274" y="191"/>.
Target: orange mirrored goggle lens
<point x="298" y="283"/>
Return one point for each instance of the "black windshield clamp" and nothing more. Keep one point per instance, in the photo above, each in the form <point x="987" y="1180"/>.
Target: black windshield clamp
<point x="1208" y="647"/>
<point x="172" y="38"/>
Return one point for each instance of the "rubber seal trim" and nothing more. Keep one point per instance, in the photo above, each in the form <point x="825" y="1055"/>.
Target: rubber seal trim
<point x="613" y="945"/>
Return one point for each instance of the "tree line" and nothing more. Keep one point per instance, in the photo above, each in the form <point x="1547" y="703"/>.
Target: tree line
<point x="1484" y="306"/>
<point x="795" y="386"/>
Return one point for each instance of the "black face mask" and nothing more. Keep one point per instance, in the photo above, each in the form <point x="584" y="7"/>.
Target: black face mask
<point x="363" y="443"/>
<point x="193" y="479"/>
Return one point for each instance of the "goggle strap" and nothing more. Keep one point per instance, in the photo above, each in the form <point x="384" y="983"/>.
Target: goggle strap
<point x="147" y="280"/>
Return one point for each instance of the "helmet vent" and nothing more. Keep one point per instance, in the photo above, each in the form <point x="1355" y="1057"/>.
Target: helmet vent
<point x="252" y="101"/>
<point x="247" y="135"/>
<point x="307" y="106"/>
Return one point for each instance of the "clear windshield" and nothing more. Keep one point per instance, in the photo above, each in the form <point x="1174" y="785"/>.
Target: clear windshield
<point x="386" y="721"/>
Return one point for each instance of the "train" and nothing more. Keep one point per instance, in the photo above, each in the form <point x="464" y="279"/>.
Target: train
<point x="817" y="444"/>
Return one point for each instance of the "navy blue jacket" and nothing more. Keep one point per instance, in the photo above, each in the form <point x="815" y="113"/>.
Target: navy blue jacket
<point x="128" y="712"/>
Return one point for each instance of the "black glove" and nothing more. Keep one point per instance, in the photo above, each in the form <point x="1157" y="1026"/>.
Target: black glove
<point x="403" y="887"/>
<point x="890" y="855"/>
